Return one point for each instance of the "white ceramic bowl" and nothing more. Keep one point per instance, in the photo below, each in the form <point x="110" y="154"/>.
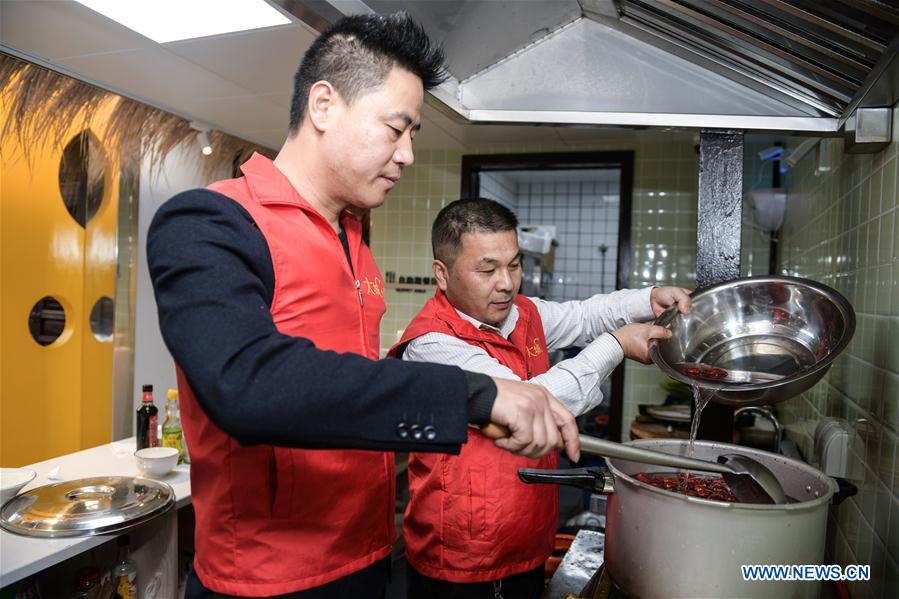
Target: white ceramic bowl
<point x="156" y="461"/>
<point x="12" y="480"/>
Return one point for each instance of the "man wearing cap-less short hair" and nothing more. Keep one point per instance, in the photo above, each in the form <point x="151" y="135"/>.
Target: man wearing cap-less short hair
<point x="472" y="529"/>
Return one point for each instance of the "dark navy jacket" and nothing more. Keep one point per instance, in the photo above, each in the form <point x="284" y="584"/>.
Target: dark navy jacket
<point x="208" y="258"/>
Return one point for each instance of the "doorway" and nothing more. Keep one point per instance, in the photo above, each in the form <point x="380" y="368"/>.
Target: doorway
<point x="584" y="199"/>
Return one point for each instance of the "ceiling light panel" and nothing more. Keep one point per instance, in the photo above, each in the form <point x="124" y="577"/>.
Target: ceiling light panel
<point x="172" y="20"/>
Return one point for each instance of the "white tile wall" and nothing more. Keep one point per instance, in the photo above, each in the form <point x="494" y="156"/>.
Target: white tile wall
<point x="586" y="216"/>
<point x="501" y="187"/>
<point x="841" y="229"/>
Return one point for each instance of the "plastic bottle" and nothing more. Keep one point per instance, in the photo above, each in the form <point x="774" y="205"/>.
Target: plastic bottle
<point x="147" y="420"/>
<point x="172" y="433"/>
<point x="125" y="574"/>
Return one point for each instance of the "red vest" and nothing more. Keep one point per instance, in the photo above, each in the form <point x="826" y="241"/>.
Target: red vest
<point x="469" y="518"/>
<point x="274" y="520"/>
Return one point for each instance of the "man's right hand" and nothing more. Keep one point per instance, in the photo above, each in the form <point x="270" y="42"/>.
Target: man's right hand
<point x="635" y="339"/>
<point x="535" y="420"/>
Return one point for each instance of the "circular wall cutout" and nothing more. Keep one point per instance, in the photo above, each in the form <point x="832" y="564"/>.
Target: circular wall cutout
<point x="103" y="319"/>
<point x="47" y="320"/>
<point x="81" y="174"/>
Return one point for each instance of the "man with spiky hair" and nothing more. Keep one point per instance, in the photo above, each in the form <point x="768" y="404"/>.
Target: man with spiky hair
<point x="270" y="303"/>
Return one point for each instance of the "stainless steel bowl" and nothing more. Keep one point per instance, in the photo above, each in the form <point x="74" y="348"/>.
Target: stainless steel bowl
<point x="786" y="329"/>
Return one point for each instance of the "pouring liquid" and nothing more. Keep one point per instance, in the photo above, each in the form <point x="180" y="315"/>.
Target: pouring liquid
<point x="701" y="397"/>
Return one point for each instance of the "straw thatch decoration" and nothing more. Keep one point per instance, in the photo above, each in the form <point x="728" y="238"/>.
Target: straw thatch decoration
<point x="42" y="105"/>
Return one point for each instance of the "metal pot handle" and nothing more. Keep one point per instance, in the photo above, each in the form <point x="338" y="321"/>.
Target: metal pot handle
<point x="594" y="479"/>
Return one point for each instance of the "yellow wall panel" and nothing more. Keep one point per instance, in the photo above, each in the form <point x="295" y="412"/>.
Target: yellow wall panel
<point x="54" y="399"/>
<point x="99" y="281"/>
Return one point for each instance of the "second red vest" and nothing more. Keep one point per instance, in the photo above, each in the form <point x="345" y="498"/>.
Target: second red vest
<point x="470" y="519"/>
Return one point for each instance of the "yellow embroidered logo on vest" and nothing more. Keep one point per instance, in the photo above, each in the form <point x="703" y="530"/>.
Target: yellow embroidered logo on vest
<point x="535" y="349"/>
<point x="373" y="287"/>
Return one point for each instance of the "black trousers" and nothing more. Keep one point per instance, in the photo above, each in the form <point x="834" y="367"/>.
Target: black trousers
<point x="527" y="585"/>
<point x="369" y="583"/>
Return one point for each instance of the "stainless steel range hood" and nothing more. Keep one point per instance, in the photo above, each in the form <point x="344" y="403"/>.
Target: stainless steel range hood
<point x="800" y="66"/>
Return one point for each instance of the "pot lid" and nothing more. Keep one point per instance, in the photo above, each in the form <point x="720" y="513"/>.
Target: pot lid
<point x="86" y="506"/>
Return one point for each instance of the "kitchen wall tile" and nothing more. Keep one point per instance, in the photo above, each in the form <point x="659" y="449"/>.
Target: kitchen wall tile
<point x="881" y="524"/>
<point x="863" y="547"/>
<point x="866" y="498"/>
<point x="892" y="543"/>
<point x="883" y="283"/>
<point x="850" y="517"/>
<point x="840" y="549"/>
<point x="891" y="575"/>
<point x="841" y="229"/>
<point x="890" y="398"/>
<point x="875" y="587"/>
<point x="585" y="219"/>
<point x="889" y="470"/>
<point x="498" y="186"/>
<point x="888" y="183"/>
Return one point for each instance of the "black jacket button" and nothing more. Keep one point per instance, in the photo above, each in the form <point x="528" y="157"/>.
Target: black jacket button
<point x="430" y="433"/>
<point x="416" y="432"/>
<point x="402" y="431"/>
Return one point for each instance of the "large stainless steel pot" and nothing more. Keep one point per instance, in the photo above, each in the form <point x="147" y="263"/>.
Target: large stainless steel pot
<point x="785" y="327"/>
<point x="664" y="544"/>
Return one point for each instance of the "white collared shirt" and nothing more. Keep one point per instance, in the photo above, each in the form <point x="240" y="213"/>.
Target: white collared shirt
<point x="576" y="381"/>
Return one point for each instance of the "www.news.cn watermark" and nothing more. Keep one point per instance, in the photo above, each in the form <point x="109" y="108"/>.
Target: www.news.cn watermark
<point x="805" y="572"/>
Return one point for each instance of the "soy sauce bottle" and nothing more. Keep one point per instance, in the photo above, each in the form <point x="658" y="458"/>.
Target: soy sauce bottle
<point x="147" y="420"/>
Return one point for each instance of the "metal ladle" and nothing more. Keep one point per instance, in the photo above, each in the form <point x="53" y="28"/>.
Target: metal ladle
<point x="750" y="481"/>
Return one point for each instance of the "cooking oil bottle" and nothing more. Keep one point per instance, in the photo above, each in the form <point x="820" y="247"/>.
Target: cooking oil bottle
<point x="125" y="574"/>
<point x="172" y="432"/>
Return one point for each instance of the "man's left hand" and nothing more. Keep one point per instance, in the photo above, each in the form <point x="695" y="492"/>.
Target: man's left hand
<point x="663" y="298"/>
